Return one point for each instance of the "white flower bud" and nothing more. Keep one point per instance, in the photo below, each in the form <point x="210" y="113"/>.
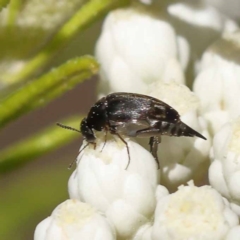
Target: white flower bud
<point x="127" y="197"/>
<point x="217" y="84"/>
<point x="135" y="48"/>
<point x="184" y="158"/>
<point x="196" y="213"/>
<point x="145" y="231"/>
<point x="224" y="172"/>
<point x="74" y="220"/>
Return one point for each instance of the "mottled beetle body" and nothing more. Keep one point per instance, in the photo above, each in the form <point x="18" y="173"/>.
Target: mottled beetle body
<point x="134" y="115"/>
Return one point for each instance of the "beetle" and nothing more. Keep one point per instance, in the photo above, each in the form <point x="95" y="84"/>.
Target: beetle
<point x="134" y="115"/>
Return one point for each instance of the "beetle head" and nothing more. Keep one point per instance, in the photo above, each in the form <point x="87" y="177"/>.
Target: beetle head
<point x="87" y="132"/>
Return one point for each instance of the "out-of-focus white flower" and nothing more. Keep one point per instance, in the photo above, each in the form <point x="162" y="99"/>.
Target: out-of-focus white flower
<point x="199" y="23"/>
<point x="9" y="67"/>
<point x="230" y="7"/>
<point x="34" y="13"/>
<point x="127" y="197"/>
<point x="35" y="21"/>
<point x="147" y="2"/>
<point x="196" y="213"/>
<point x="224" y="172"/>
<point x="217" y="84"/>
<point x="74" y="220"/>
<point x="136" y="48"/>
<point x="185" y="158"/>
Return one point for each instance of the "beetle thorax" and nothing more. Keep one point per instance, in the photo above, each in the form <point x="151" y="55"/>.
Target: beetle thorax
<point x="97" y="118"/>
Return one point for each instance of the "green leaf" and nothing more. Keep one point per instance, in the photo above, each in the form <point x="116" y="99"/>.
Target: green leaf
<point x="46" y="88"/>
<point x="40" y="143"/>
<point x="87" y="14"/>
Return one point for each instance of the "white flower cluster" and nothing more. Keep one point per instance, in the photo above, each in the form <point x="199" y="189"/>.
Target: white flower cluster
<point x="193" y="213"/>
<point x="224" y="172"/>
<point x="147" y="50"/>
<point x="217" y="83"/>
<point x="138" y="47"/>
<point x="126" y="197"/>
<point x="75" y="220"/>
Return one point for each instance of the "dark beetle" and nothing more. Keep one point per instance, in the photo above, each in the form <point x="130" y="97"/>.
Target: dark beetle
<point x="134" y="115"/>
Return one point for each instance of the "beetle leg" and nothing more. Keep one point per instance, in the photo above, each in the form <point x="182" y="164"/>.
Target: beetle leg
<point x="75" y="160"/>
<point x="105" y="139"/>
<point x="147" y="132"/>
<point x="153" y="142"/>
<point x="113" y="131"/>
<point x="126" y="147"/>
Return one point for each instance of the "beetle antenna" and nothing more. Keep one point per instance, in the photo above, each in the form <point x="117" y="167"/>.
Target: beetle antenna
<point x="67" y="127"/>
<point x="75" y="160"/>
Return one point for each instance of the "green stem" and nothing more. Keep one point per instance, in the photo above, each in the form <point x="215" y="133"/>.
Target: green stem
<point x="40" y="143"/>
<point x="88" y="13"/>
<point x="13" y="9"/>
<point x="46" y="88"/>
